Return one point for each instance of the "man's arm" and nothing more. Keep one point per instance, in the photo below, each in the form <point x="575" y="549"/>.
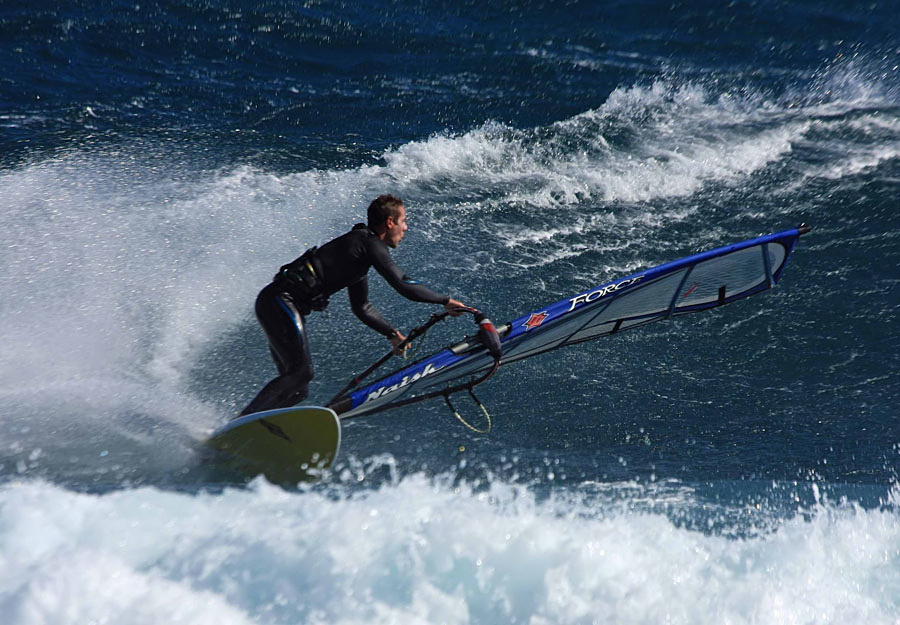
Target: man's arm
<point x="403" y="284"/>
<point x="365" y="311"/>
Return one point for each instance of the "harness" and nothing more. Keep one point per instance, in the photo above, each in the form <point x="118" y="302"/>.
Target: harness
<point x="302" y="280"/>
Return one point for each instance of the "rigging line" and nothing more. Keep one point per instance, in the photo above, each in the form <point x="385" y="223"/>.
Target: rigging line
<point x="420" y="332"/>
<point x="478" y="402"/>
<point x="431" y="394"/>
<point x="413" y="334"/>
<point x="414" y="349"/>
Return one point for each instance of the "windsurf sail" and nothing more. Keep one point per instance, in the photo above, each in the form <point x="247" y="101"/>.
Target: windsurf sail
<point x="692" y="284"/>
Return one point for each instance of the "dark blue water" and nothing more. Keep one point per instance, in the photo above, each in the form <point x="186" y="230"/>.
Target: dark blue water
<point x="159" y="160"/>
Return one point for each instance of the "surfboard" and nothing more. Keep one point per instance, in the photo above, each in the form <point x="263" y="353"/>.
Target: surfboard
<point x="287" y="445"/>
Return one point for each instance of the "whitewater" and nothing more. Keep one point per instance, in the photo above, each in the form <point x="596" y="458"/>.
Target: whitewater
<point x="427" y="551"/>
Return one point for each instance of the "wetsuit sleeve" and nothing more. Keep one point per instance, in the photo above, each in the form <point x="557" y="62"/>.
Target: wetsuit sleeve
<point x="403" y="284"/>
<point x="363" y="308"/>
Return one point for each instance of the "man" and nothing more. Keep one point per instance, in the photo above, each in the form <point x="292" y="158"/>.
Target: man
<point x="305" y="285"/>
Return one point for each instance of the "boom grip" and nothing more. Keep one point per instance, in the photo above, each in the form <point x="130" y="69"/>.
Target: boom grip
<point x="488" y="336"/>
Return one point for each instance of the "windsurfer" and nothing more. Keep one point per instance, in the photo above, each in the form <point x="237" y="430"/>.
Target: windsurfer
<point x="305" y="285"/>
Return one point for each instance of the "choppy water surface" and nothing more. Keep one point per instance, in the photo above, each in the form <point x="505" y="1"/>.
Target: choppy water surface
<point x="157" y="163"/>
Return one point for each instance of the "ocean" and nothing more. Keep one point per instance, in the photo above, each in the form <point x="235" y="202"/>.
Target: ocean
<point x="160" y="161"/>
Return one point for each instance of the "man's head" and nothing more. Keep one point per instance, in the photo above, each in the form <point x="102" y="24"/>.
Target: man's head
<point x="387" y="218"/>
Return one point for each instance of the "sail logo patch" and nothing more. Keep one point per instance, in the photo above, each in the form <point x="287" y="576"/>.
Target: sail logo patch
<point x="535" y="320"/>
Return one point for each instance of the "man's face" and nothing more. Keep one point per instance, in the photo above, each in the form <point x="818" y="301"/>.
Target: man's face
<point x="396" y="228"/>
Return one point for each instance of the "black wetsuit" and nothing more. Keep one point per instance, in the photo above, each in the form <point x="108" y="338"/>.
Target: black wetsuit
<point x="282" y="306"/>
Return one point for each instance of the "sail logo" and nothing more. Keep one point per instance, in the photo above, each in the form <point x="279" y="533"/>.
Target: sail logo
<point x="406" y="381"/>
<point x="587" y="298"/>
<point x="535" y="320"/>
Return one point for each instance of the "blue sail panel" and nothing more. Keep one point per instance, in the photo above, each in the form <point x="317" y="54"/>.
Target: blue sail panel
<point x="688" y="285"/>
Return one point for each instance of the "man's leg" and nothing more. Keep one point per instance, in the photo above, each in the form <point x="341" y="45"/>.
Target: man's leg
<point x="286" y="330"/>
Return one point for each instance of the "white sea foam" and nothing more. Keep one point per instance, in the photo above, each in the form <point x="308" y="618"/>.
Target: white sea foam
<point x="121" y="270"/>
<point x="420" y="551"/>
<point x="684" y="139"/>
<point x="859" y="145"/>
<point x="127" y="265"/>
<point x="860" y="161"/>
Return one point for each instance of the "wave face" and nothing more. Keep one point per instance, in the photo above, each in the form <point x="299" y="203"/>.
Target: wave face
<point x="158" y="164"/>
